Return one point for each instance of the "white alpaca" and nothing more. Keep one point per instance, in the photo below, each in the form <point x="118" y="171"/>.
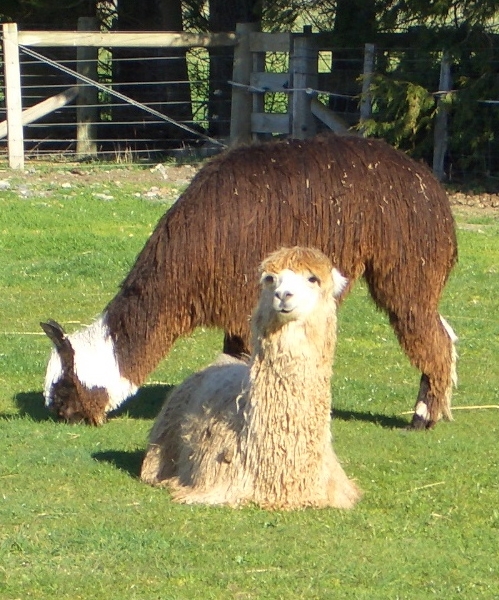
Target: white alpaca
<point x="236" y="433"/>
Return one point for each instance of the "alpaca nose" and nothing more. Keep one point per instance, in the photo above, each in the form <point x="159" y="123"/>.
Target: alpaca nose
<point x="283" y="295"/>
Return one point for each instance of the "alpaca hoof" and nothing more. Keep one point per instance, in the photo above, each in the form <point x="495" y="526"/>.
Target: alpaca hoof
<point x="418" y="423"/>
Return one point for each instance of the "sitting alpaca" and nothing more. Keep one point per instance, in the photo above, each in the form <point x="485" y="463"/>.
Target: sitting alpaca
<point x="236" y="433"/>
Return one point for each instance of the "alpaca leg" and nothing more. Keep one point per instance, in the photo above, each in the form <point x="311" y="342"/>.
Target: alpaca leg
<point x="160" y="460"/>
<point x="153" y="469"/>
<point x="429" y="344"/>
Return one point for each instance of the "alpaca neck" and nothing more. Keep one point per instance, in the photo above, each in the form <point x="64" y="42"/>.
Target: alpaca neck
<point x="293" y="363"/>
<point x="141" y="342"/>
<point x="154" y="305"/>
<point x="289" y="401"/>
<point x="142" y="322"/>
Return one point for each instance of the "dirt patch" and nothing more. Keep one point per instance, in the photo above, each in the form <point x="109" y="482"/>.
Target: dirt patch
<point x="165" y="180"/>
<point x="162" y="182"/>
<point x="163" y="174"/>
<point x="472" y="205"/>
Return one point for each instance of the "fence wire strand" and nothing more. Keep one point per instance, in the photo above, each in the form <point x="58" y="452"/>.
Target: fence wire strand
<point x="119" y="95"/>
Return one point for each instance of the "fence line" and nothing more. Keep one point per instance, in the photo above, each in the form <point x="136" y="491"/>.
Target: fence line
<point x="116" y="94"/>
<point x="307" y="97"/>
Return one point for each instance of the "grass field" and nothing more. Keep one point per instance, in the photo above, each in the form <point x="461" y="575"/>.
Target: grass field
<point x="76" y="522"/>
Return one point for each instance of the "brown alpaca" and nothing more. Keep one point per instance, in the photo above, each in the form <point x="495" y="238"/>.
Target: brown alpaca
<point x="238" y="433"/>
<point x="372" y="210"/>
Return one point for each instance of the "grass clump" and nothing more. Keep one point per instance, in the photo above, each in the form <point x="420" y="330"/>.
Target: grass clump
<point x="76" y="522"/>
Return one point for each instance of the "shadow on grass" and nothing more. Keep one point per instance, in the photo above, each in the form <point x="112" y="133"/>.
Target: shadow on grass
<point x="131" y="461"/>
<point x="390" y="422"/>
<point x="144" y="405"/>
<point x="147" y="403"/>
<point x="32" y="404"/>
<point x="126" y="461"/>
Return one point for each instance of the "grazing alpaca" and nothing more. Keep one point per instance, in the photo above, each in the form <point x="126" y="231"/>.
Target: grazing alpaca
<point x="237" y="433"/>
<point x="375" y="212"/>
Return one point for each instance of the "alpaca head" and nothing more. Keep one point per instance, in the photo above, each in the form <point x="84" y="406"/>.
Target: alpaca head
<point x="293" y="282"/>
<point x="67" y="397"/>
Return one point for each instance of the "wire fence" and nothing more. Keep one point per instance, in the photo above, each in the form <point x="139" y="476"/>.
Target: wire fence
<point x="133" y="119"/>
<point x="155" y="101"/>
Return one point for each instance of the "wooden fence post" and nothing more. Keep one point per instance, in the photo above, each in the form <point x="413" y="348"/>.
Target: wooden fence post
<point x="242" y="101"/>
<point x="13" y="96"/>
<point x="86" y="107"/>
<point x="365" y="100"/>
<point x="258" y="100"/>
<point x="304" y="76"/>
<point x="440" y="133"/>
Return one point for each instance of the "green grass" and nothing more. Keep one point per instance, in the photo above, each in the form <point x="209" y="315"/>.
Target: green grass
<point x="75" y="521"/>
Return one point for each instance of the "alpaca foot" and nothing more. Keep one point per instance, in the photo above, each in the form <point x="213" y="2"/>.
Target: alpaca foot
<point x="420" y="420"/>
<point x="153" y="470"/>
<point x="342" y="492"/>
<point x="348" y="496"/>
<point x="429" y="408"/>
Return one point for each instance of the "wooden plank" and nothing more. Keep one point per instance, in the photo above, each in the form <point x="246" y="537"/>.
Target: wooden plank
<point x="13" y="97"/>
<point x="270" y="123"/>
<point x="329" y="118"/>
<point x="262" y="42"/>
<point x="270" y="82"/>
<point x="125" y="39"/>
<point x="270" y="42"/>
<point x="33" y="113"/>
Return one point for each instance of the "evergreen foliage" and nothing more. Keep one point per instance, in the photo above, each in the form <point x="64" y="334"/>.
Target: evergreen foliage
<point x="403" y="112"/>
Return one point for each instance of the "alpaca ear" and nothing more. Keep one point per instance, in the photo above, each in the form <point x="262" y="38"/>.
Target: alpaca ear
<point x="61" y="342"/>
<point x="339" y="282"/>
<point x="55" y="332"/>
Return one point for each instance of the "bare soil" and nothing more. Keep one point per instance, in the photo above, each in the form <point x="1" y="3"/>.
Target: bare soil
<point x="165" y="181"/>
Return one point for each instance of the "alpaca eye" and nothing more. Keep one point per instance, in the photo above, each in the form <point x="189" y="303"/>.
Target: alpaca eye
<point x="314" y="279"/>
<point x="269" y="279"/>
